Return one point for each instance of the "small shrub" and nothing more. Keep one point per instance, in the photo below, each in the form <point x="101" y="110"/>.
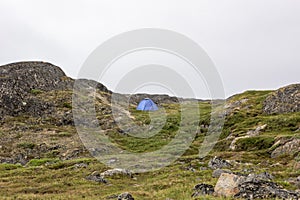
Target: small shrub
<point x="35" y="91"/>
<point x="67" y="105"/>
<point x="26" y="145"/>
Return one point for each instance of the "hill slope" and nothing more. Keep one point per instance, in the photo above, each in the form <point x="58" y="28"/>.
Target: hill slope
<point x="40" y="146"/>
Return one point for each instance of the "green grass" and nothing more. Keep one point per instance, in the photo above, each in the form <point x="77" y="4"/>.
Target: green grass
<point x="254" y="143"/>
<point x="39" y="162"/>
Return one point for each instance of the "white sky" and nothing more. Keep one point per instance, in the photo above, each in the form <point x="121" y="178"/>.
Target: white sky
<point x="255" y="44"/>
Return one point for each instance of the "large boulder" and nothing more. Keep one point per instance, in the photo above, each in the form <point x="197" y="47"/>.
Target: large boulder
<point x="283" y="100"/>
<point x="228" y="184"/>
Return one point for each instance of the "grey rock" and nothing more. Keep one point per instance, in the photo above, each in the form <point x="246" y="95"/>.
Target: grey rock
<point x="218" y="163"/>
<point x="116" y="172"/>
<point x="81" y="165"/>
<point x="257" y="177"/>
<point x="203" y="168"/>
<point x="95" y="176"/>
<point x="125" y="196"/>
<point x="217" y="173"/>
<point x="203" y="189"/>
<point x="260" y="189"/>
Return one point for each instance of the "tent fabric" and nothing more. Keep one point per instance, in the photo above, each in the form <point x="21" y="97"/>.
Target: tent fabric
<point x="147" y="104"/>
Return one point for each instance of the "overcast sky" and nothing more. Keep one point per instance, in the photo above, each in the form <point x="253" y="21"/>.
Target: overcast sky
<point x="255" y="44"/>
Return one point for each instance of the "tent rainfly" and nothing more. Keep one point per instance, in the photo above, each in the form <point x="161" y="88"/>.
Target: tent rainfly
<point x="147" y="105"/>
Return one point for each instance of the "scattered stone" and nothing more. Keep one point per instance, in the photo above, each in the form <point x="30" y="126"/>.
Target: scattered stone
<point x="227" y="184"/>
<point x="265" y="176"/>
<point x="114" y="196"/>
<point x="218" y="163"/>
<point x="81" y="165"/>
<point x="117" y="171"/>
<point x="95" y="176"/>
<point x="217" y="173"/>
<point x="203" y="189"/>
<point x="203" y="168"/>
<point x="190" y="168"/>
<point x="125" y="196"/>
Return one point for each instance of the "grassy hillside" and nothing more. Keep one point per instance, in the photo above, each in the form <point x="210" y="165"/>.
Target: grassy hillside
<point x="50" y="175"/>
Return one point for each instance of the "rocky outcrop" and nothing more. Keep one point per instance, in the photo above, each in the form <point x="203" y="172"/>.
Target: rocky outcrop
<point x="252" y="186"/>
<point x="283" y="100"/>
<point x="19" y="81"/>
<point x="290" y="147"/>
<point x="232" y="106"/>
<point x="260" y="189"/>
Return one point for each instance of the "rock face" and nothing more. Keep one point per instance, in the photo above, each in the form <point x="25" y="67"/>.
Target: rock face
<point x="290" y="147"/>
<point x="18" y="81"/>
<point x="203" y="189"/>
<point x="283" y="100"/>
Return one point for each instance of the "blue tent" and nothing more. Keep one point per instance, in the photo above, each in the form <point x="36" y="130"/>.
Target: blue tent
<point x="147" y="104"/>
